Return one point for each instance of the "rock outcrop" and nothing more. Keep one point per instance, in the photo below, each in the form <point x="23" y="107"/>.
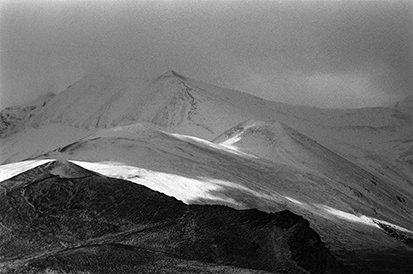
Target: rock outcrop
<point x="12" y="117"/>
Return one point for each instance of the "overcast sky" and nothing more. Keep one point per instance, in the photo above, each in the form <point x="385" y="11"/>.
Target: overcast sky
<point x="324" y="53"/>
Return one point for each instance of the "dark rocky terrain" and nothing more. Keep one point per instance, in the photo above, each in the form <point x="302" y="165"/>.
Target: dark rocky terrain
<point x="61" y="218"/>
<point x="13" y="117"/>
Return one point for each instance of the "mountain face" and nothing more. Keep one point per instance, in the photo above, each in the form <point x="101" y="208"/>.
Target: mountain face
<point x="169" y="102"/>
<point x="346" y="171"/>
<point x="59" y="212"/>
<point x="279" y="143"/>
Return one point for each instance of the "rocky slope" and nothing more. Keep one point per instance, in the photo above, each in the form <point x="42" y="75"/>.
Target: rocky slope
<point x="405" y="105"/>
<point x="59" y="213"/>
<point x="13" y="117"/>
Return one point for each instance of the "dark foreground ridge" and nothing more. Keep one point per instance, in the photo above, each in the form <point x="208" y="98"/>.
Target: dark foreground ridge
<point x="61" y="218"/>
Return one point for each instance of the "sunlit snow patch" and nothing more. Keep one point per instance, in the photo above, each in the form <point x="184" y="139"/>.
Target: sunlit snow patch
<point x="346" y="216"/>
<point x="293" y="200"/>
<point x="10" y="170"/>
<point x="360" y="218"/>
<point x="227" y="148"/>
<point x="180" y="187"/>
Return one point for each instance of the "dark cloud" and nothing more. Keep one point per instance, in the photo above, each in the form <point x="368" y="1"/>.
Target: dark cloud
<point x="329" y="53"/>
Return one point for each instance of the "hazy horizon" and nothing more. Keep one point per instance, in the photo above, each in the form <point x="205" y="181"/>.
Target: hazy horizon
<point x="340" y="54"/>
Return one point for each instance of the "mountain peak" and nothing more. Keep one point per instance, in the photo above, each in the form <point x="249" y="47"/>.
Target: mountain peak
<point x="65" y="169"/>
<point x="172" y="73"/>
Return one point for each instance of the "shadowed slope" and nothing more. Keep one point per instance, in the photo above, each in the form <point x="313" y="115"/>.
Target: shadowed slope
<point x="57" y="208"/>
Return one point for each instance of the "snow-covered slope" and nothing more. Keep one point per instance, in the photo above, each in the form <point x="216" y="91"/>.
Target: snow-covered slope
<point x="379" y="139"/>
<point x="31" y="142"/>
<point x="101" y="101"/>
<point x="281" y="144"/>
<point x="301" y="158"/>
<point x="269" y="140"/>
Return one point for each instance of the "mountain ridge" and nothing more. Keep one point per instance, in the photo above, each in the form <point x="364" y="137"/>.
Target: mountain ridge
<point x="75" y="208"/>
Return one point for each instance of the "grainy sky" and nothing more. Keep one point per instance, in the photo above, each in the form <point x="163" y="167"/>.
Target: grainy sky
<point x="320" y="53"/>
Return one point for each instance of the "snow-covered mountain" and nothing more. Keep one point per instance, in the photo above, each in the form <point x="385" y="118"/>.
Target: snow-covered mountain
<point x="169" y="102"/>
<point x="379" y="139"/>
<point x="347" y="171"/>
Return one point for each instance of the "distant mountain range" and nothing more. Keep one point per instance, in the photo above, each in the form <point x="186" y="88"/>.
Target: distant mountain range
<point x="347" y="171"/>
